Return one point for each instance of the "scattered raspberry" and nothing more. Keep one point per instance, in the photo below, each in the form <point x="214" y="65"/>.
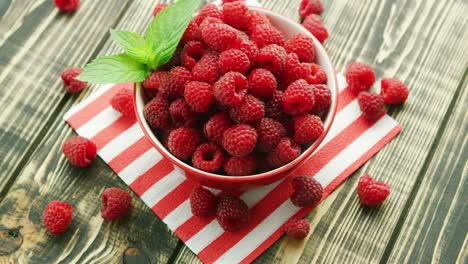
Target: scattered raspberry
<point x="71" y="84"/>
<point x="308" y="7"/>
<point x="208" y="157"/>
<point x="262" y="83"/>
<point x="270" y="132"/>
<point x="230" y="89"/>
<point x="173" y="86"/>
<point x="154" y="80"/>
<point x="79" y="151"/>
<point x="219" y="37"/>
<point x="360" y="77"/>
<point x="157" y="113"/>
<point x="317" y="74"/>
<point x="216" y="125"/>
<point x="239" y="140"/>
<point x="272" y="58"/>
<point x="307" y="191"/>
<point x="67" y="5"/>
<point x="297" y="228"/>
<point x="57" y="217"/>
<point x="181" y="114"/>
<point x="298" y="98"/>
<point x="116" y="203"/>
<point x="371" y="104"/>
<point x="182" y="142"/>
<point x="158" y="8"/>
<point x="192" y="33"/>
<point x="303" y="46"/>
<point x="203" y="202"/>
<point x="250" y="111"/>
<point x="265" y="35"/>
<point x="199" y="96"/>
<point x="248" y="47"/>
<point x="285" y="152"/>
<point x="231" y="212"/>
<point x="371" y="192"/>
<point x="274" y="108"/>
<point x="207" y="69"/>
<point x="210" y="10"/>
<point x="234" y="60"/>
<point x="313" y="23"/>
<point x="236" y="14"/>
<point x="322" y="96"/>
<point x="240" y="166"/>
<point x="294" y="70"/>
<point x="307" y="128"/>
<point x="393" y="91"/>
<point x="122" y="101"/>
<point x="193" y="51"/>
<point x="255" y="19"/>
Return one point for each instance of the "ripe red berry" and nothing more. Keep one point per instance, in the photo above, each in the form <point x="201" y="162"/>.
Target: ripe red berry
<point x="307" y="128"/>
<point x="239" y="140"/>
<point x="250" y="111"/>
<point x="122" y="101"/>
<point x="158" y="8"/>
<point x="236" y="14"/>
<point x="181" y="114"/>
<point x="79" y="151"/>
<point x="199" y="96"/>
<point x="192" y="33"/>
<point x="248" y="47"/>
<point x="240" y="166"/>
<point x="57" y="217"/>
<point x="203" y="202"/>
<point x="173" y="86"/>
<point x="298" y="98"/>
<point x="274" y="107"/>
<point x="233" y="60"/>
<point x="285" y="152"/>
<point x="359" y="76"/>
<point x="308" y="7"/>
<point x="182" y="142"/>
<point x="230" y="89"/>
<point x="294" y="70"/>
<point x="193" y="51"/>
<point x="269" y="132"/>
<point x="322" y="96"/>
<point x="371" y="104"/>
<point x="255" y="19"/>
<point x="219" y="37"/>
<point x="216" y="125"/>
<point x="307" y="191"/>
<point x="157" y="113"/>
<point x="265" y="35"/>
<point x="272" y="58"/>
<point x="393" y="91"/>
<point x="317" y="74"/>
<point x="231" y="212"/>
<point x="297" y="228"/>
<point x="207" y="68"/>
<point x="371" y="192"/>
<point x="210" y="10"/>
<point x="303" y="46"/>
<point x="313" y="23"/>
<point x="155" y="79"/>
<point x="116" y="203"/>
<point x="71" y="84"/>
<point x="208" y="157"/>
<point x="67" y="5"/>
<point x="262" y="83"/>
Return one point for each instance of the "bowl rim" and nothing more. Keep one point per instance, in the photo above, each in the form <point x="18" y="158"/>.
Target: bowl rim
<point x="287" y="168"/>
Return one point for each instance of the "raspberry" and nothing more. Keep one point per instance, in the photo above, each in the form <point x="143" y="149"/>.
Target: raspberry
<point x="313" y="23"/>
<point x="307" y="128"/>
<point x="155" y="79"/>
<point x="209" y="20"/>
<point x="202" y="202"/>
<point x="359" y="77"/>
<point x="173" y="86"/>
<point x="71" y="84"/>
<point x="234" y="60"/>
<point x="294" y="70"/>
<point x="274" y="108"/>
<point x="192" y="33"/>
<point x="308" y="7"/>
<point x="150" y="94"/>
<point x="250" y="111"/>
<point x="219" y="37"/>
<point x="230" y="89"/>
<point x="240" y="166"/>
<point x="199" y="96"/>
<point x="158" y="8"/>
<point x="231" y="212"/>
<point x="262" y="83"/>
<point x="208" y="157"/>
<point x="317" y="74"/>
<point x="265" y="34"/>
<point x="297" y="228"/>
<point x="303" y="46"/>
<point x="67" y="5"/>
<point x="157" y="113"/>
<point x="192" y="52"/>
<point x="236" y="14"/>
<point x="298" y="98"/>
<point x="239" y="140"/>
<point x="371" y="192"/>
<point x="210" y="10"/>
<point x="181" y="114"/>
<point x="207" y="68"/>
<point x="393" y="91"/>
<point x="248" y="47"/>
<point x="322" y="96"/>
<point x="116" y="203"/>
<point x="230" y="1"/>
<point x="307" y="191"/>
<point x="255" y="19"/>
<point x="182" y="142"/>
<point x="272" y="58"/>
<point x="371" y="104"/>
<point x="270" y="132"/>
<point x="242" y="35"/>
<point x="216" y="125"/>
<point x="79" y="151"/>
<point x="57" y="217"/>
<point x="285" y="152"/>
<point x="122" y="101"/>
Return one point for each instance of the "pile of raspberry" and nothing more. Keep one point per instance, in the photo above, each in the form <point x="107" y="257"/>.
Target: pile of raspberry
<point x="238" y="98"/>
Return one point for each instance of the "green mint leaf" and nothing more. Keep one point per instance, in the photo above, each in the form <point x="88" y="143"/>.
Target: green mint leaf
<point x="114" y="69"/>
<point x="133" y="44"/>
<point x="167" y="28"/>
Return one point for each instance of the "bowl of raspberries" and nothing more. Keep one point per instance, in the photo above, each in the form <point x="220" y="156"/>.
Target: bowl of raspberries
<point x="247" y="97"/>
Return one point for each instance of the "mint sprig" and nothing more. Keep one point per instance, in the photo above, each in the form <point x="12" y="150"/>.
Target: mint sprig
<point x="143" y="55"/>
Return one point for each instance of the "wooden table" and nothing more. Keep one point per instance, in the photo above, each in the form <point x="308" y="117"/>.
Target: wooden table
<point x="425" y="219"/>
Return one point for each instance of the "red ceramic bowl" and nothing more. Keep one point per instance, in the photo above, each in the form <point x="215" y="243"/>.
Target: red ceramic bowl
<point x="289" y="28"/>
